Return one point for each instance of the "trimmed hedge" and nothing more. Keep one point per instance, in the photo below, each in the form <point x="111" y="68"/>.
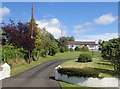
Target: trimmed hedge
<point x="84" y="57"/>
<point x="85" y="72"/>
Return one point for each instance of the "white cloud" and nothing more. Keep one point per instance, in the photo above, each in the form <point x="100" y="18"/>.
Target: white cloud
<point x="105" y="19"/>
<point x="105" y="37"/>
<point x="53" y="26"/>
<point x="4" y="11"/>
<point x="79" y="29"/>
<point x="102" y="20"/>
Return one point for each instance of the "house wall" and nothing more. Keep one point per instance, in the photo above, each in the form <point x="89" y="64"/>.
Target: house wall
<point x="91" y="47"/>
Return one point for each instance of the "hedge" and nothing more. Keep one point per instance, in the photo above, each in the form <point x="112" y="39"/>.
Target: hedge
<point x="85" y="72"/>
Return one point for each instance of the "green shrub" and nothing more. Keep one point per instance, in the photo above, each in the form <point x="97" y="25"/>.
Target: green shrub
<point x="85" y="48"/>
<point x="42" y="52"/>
<point x="9" y="52"/>
<point x="85" y="72"/>
<point x="35" y="55"/>
<point x="52" y="51"/>
<point x="62" y="49"/>
<point x="66" y="48"/>
<point x="77" y="48"/>
<point x="84" y="57"/>
<point x="71" y="50"/>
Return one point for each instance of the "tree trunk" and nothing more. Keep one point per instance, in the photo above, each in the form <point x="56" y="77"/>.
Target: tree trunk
<point x="30" y="56"/>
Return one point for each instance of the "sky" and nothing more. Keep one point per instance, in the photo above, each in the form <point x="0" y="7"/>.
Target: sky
<point x="86" y="21"/>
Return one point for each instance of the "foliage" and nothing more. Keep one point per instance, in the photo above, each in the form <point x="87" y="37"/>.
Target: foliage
<point x="85" y="57"/>
<point x="10" y="52"/>
<point x="20" y="36"/>
<point x="85" y="48"/>
<point x="66" y="48"/>
<point x="111" y="52"/>
<point x="43" y="41"/>
<point x="64" y="40"/>
<point x="53" y="49"/>
<point x="71" y="50"/>
<point x="85" y="72"/>
<point x="77" y="48"/>
<point x="62" y="49"/>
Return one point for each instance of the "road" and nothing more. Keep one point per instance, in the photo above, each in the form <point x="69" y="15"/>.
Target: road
<point x="39" y="76"/>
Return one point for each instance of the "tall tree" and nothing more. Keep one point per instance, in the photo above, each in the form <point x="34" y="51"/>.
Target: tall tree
<point x="111" y="52"/>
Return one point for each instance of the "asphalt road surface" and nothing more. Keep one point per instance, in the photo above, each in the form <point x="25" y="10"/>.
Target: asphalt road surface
<point x="39" y="76"/>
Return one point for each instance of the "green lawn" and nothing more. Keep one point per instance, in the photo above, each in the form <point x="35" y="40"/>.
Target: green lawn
<point x="42" y="60"/>
<point x="104" y="67"/>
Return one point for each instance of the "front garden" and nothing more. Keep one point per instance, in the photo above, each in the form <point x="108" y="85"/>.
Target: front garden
<point x="87" y="66"/>
<point x="104" y="67"/>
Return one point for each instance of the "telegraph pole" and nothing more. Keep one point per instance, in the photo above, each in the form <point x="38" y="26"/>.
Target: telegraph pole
<point x="32" y="22"/>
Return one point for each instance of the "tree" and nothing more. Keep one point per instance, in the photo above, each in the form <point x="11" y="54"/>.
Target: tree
<point x="111" y="52"/>
<point x="19" y="36"/>
<point x="71" y="38"/>
<point x="53" y="49"/>
<point x="77" y="48"/>
<point x="43" y="41"/>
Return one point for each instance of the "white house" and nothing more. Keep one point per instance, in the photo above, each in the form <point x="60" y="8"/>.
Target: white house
<point x="90" y="44"/>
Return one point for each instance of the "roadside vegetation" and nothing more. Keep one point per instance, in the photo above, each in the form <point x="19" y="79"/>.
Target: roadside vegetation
<point x="21" y="45"/>
<point x="26" y="66"/>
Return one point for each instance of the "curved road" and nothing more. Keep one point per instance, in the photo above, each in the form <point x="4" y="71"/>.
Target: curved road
<point x="38" y="76"/>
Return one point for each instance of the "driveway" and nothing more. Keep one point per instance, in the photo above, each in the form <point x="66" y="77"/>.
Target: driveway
<point x="38" y="76"/>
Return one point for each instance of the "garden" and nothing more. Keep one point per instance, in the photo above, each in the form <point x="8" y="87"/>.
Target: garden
<point x="101" y="65"/>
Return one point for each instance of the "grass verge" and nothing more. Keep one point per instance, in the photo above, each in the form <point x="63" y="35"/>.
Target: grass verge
<point x="25" y="66"/>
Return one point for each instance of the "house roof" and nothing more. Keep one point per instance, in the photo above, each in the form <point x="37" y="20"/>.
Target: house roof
<point x="81" y="43"/>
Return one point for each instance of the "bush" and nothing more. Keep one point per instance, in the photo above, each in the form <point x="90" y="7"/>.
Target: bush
<point x="85" y="48"/>
<point x="35" y="55"/>
<point x="9" y="52"/>
<point x="84" y="57"/>
<point x="42" y="52"/>
<point x="71" y="49"/>
<point x="62" y="49"/>
<point x="52" y="51"/>
<point x="77" y="48"/>
<point x="85" y="72"/>
<point x="66" y="48"/>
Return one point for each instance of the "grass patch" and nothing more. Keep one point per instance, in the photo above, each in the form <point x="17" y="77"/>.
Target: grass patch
<point x="105" y="68"/>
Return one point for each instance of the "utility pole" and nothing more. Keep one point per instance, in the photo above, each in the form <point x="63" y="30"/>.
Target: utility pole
<point x="32" y="22"/>
<point x="61" y="38"/>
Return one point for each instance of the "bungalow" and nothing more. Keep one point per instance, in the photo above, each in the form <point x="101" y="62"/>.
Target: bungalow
<point x="90" y="44"/>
